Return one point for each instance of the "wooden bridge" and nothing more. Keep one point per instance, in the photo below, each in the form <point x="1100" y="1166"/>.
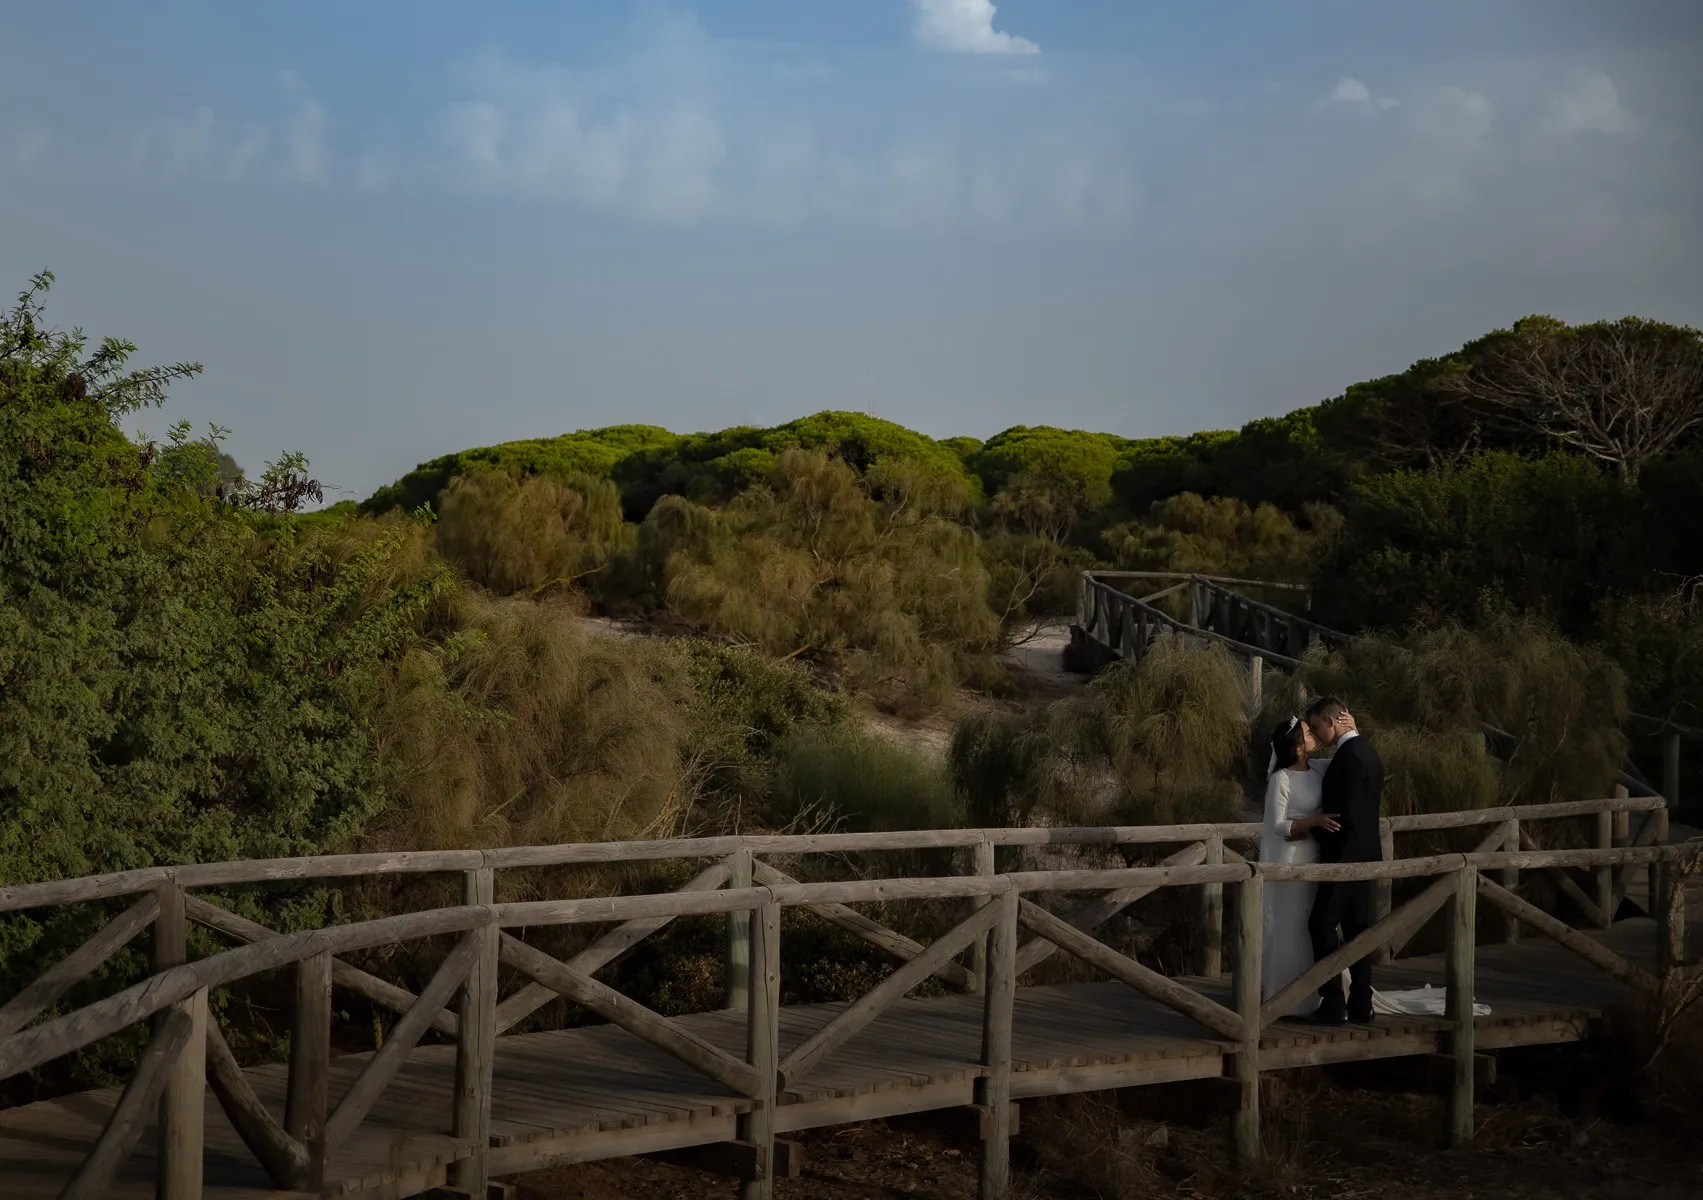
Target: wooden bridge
<point x="1113" y="623"/>
<point x="452" y="1099"/>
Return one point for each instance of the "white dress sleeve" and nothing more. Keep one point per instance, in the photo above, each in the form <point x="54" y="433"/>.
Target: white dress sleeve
<point x="1277" y="805"/>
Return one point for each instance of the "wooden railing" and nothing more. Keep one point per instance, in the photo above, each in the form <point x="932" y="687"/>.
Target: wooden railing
<point x="187" y="1051"/>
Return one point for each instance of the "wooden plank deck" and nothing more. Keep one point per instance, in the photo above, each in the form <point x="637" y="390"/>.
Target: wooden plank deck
<point x="598" y="1092"/>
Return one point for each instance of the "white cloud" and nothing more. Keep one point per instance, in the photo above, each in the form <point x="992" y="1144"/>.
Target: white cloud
<point x="699" y="141"/>
<point x="303" y="132"/>
<point x="1592" y="105"/>
<point x="965" y="27"/>
<point x="1352" y="92"/>
<point x="207" y="145"/>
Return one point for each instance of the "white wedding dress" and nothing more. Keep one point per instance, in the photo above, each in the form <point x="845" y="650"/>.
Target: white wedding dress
<point x="1287" y="947"/>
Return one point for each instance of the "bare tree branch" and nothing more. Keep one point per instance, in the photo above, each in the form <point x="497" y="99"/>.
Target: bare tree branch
<point x="1621" y="391"/>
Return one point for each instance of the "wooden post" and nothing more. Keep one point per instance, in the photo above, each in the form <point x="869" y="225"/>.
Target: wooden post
<point x="1212" y="914"/>
<point x="1463" y="920"/>
<point x="993" y="1089"/>
<point x="1256" y="686"/>
<point x="1383" y="890"/>
<point x="184" y="1108"/>
<point x="1510" y="879"/>
<point x="983" y="863"/>
<point x="1670" y="770"/>
<point x="181" y="1106"/>
<point x="762" y="1046"/>
<point x="308" y="1094"/>
<point x="738" y="958"/>
<point x="476" y="1043"/>
<point x="1660" y="882"/>
<point x="1605" y="874"/>
<point x="1245" y="989"/>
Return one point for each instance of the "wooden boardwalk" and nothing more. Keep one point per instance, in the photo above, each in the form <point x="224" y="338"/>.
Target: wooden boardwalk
<point x="599" y="1091"/>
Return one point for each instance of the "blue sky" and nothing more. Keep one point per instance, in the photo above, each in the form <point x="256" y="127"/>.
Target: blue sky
<point x="393" y="230"/>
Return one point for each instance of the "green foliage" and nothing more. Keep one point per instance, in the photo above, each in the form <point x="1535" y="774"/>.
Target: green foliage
<point x="182" y="681"/>
<point x="648" y="463"/>
<point x="1554" y="535"/>
<point x="1659" y="643"/>
<point x="1075" y="465"/>
<point x="594" y="452"/>
<point x="187" y="673"/>
<point x="745" y="706"/>
<point x="852" y="779"/>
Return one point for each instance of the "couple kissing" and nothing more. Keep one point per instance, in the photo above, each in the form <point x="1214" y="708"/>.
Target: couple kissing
<point x="1320" y="811"/>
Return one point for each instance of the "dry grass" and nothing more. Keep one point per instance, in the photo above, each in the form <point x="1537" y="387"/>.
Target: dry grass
<point x="521" y="728"/>
<point x="529" y="535"/>
<point x="1155" y="744"/>
<point x="1222" y="536"/>
<point x="855" y="780"/>
<point x="1564" y="704"/>
<point x="867" y="572"/>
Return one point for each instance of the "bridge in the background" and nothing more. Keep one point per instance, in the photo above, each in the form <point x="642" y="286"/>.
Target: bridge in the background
<point x="1114" y="623"/>
<point x="453" y="1099"/>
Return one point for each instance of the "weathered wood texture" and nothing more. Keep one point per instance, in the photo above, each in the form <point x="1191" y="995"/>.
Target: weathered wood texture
<point x="1462" y="960"/>
<point x="993" y="1090"/>
<point x="475" y="1048"/>
<point x="58" y="979"/>
<point x="285" y="1158"/>
<point x="597" y="1091"/>
<point x="385" y="995"/>
<point x="1245" y="999"/>
<point x="129" y="1117"/>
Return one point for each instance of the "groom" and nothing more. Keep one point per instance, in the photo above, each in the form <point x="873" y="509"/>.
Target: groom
<point x="1353" y="788"/>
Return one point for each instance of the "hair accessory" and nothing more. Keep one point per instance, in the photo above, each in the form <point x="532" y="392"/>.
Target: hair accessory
<point x="1293" y="721"/>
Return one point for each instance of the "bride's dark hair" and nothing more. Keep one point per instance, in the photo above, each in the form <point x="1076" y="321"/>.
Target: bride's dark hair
<point x="1286" y="744"/>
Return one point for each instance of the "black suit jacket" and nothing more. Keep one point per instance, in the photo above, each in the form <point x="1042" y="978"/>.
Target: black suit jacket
<point x="1353" y="790"/>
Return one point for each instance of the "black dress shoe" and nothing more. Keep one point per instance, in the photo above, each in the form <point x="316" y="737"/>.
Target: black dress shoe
<point x="1360" y="1016"/>
<point x="1331" y="1012"/>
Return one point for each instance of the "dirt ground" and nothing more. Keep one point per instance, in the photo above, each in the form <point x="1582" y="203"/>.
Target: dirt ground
<point x="1550" y="1131"/>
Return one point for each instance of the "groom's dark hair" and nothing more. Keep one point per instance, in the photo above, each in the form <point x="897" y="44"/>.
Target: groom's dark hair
<point x="1328" y="708"/>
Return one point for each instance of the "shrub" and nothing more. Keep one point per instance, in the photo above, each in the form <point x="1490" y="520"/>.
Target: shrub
<point x="744" y="707"/>
<point x="1564" y="704"/>
<point x="857" y="780"/>
<point x="1152" y="744"/>
<point x="528" y="535"/>
<point x="1223" y="536"/>
<point x="1552" y="536"/>
<point x="815" y="565"/>
<point x="521" y="727"/>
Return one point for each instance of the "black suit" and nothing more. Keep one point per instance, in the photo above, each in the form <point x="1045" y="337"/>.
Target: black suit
<point x="1352" y="791"/>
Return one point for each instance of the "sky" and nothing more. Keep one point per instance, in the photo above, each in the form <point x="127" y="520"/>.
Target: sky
<point x="394" y="230"/>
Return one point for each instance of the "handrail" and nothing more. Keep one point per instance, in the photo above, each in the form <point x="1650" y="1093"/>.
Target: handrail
<point x="1178" y="626"/>
<point x="42" y="1043"/>
<point x="1216" y="579"/>
<point x="346" y="866"/>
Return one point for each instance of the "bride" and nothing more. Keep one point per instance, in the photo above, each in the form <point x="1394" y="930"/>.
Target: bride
<point x="1292" y="800"/>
